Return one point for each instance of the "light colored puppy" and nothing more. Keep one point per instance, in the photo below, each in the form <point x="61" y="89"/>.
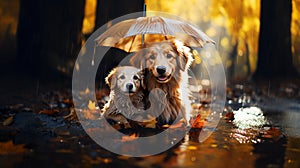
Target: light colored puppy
<point x="126" y="94"/>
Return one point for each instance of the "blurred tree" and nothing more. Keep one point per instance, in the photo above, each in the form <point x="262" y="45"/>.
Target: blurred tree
<point x="49" y="35"/>
<point x="275" y="55"/>
<point x="242" y="23"/>
<point x="108" y="10"/>
<point x="232" y="57"/>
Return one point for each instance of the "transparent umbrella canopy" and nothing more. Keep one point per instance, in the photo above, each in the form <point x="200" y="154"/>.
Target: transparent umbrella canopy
<point x="130" y="35"/>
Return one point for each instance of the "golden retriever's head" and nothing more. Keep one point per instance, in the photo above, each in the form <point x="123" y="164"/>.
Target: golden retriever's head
<point x="163" y="59"/>
<point x="126" y="79"/>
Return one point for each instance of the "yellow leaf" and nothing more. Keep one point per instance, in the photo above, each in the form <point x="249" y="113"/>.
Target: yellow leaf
<point x="213" y="145"/>
<point x="87" y="91"/>
<point x="92" y="105"/>
<point x="8" y="121"/>
<point x="192" y="148"/>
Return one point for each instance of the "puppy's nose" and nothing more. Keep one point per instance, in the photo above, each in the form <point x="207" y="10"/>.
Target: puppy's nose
<point x="161" y="70"/>
<point x="129" y="86"/>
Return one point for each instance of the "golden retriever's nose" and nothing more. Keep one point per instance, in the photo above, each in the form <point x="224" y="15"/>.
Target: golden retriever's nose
<point x="161" y="70"/>
<point x="129" y="86"/>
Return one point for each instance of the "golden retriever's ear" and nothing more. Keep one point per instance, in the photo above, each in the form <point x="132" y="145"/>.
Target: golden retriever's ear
<point x="184" y="54"/>
<point x="138" y="59"/>
<point x="111" y="80"/>
<point x="182" y="61"/>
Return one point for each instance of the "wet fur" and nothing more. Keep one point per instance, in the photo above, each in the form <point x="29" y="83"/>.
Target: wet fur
<point x="177" y="105"/>
<point x="116" y="98"/>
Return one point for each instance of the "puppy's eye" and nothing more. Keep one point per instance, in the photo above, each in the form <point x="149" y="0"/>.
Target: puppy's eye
<point x="152" y="56"/>
<point x="122" y="77"/>
<point x="135" y="77"/>
<point x="169" y="56"/>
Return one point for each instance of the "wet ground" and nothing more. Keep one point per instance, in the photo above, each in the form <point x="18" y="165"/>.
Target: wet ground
<point x="36" y="129"/>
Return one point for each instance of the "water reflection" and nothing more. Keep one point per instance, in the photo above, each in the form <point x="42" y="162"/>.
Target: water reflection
<point x="226" y="147"/>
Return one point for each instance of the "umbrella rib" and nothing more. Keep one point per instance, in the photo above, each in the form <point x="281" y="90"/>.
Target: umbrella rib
<point x="131" y="43"/>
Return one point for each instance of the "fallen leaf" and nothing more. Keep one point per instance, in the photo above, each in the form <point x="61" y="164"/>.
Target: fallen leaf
<point x="129" y="138"/>
<point x="192" y="147"/>
<point x="272" y="133"/>
<point x="90" y="114"/>
<point x="120" y="126"/>
<point x="179" y="124"/>
<point x="197" y="122"/>
<point x="67" y="101"/>
<point x="149" y="123"/>
<point x="85" y="92"/>
<point x="197" y="106"/>
<point x="229" y="116"/>
<point x="213" y="145"/>
<point x="166" y="126"/>
<point x="8" y="148"/>
<point x="92" y="105"/>
<point x="8" y="121"/>
<point x="49" y="112"/>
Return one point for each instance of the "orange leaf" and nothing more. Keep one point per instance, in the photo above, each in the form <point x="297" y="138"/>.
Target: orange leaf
<point x="229" y="116"/>
<point x="179" y="124"/>
<point x="197" y="122"/>
<point x="129" y="138"/>
<point x="8" y="148"/>
<point x="49" y="112"/>
<point x="272" y="133"/>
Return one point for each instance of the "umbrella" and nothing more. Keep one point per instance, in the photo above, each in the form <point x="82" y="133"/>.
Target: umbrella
<point x="130" y="35"/>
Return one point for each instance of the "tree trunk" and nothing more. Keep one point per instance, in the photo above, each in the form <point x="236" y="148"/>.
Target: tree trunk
<point x="233" y="56"/>
<point x="108" y="10"/>
<point x="49" y="35"/>
<point x="274" y="55"/>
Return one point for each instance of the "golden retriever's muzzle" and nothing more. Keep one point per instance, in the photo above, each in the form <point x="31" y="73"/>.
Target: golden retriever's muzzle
<point x="162" y="76"/>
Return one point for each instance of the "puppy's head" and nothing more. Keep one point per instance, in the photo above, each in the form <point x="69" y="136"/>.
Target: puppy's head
<point x="163" y="59"/>
<point x="126" y="79"/>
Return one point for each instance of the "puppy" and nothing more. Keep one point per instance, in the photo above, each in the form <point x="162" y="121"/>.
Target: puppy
<point x="165" y="65"/>
<point x="126" y="94"/>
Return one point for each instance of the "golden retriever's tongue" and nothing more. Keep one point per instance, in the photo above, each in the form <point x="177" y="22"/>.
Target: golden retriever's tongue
<point x="162" y="78"/>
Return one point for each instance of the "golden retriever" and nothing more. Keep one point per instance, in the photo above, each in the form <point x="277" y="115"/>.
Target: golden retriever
<point x="126" y="94"/>
<point x="165" y="65"/>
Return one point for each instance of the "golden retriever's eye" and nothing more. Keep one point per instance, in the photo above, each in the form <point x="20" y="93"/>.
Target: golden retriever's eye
<point x="135" y="77"/>
<point x="122" y="77"/>
<point x="152" y="56"/>
<point x="169" y="56"/>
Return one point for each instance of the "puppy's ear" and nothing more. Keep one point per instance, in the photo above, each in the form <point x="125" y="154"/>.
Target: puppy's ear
<point x="111" y="80"/>
<point x="142" y="78"/>
<point x="138" y="60"/>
